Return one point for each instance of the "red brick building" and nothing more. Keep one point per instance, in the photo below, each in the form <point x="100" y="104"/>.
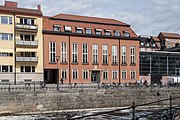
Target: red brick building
<point x="83" y="49"/>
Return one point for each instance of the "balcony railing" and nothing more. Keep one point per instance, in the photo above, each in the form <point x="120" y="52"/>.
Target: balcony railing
<point x="26" y="59"/>
<point x="26" y="27"/>
<point x="26" y="43"/>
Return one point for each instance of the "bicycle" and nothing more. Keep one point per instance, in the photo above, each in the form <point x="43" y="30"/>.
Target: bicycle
<point x="27" y="86"/>
<point x="43" y="86"/>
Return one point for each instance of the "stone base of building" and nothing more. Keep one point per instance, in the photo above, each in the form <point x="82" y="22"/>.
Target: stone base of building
<point x="20" y="78"/>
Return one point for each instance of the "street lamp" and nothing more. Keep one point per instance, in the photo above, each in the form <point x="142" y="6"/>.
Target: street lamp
<point x="57" y="59"/>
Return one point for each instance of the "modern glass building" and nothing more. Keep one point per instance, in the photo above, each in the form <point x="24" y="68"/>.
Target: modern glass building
<point x="157" y="62"/>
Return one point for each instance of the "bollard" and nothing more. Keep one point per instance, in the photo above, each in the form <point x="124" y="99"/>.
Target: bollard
<point x="9" y="87"/>
<point x="170" y="108"/>
<point x="34" y="87"/>
<point x="133" y="114"/>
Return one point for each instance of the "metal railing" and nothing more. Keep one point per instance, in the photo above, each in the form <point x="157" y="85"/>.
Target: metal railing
<point x="27" y="59"/>
<point x="170" y="113"/>
<point x="23" y="42"/>
<point x="26" y="27"/>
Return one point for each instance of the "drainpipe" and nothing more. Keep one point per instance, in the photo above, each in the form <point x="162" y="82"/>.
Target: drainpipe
<point x="14" y="50"/>
<point x="119" y="61"/>
<point x="69" y="63"/>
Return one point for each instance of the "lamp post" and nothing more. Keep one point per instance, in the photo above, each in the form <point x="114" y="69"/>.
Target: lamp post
<point x="57" y="59"/>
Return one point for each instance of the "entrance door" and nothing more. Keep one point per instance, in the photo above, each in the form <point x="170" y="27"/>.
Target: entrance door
<point x="95" y="76"/>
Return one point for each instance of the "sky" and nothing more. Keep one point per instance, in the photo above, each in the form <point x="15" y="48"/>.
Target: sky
<point x="146" y="17"/>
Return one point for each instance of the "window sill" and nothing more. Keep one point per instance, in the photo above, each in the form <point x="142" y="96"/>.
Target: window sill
<point x="95" y="63"/>
<point x="114" y="64"/>
<point x="132" y="64"/>
<point x="85" y="63"/>
<point x="105" y="64"/>
<point x="52" y="62"/>
<point x="124" y="64"/>
<point x="64" y="63"/>
<point x="75" y="63"/>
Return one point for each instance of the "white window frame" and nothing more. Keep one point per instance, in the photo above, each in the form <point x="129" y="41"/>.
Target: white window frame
<point x="57" y="26"/>
<point x="107" y="32"/>
<point x="123" y="54"/>
<point x="27" y="66"/>
<point x="126" y="34"/>
<point x="9" y="36"/>
<point x="67" y="28"/>
<point x="8" y="20"/>
<point x="113" y="74"/>
<point x="84" y="54"/>
<point x="87" y="73"/>
<point x="79" y="30"/>
<point x="114" y="54"/>
<point x="133" y="54"/>
<point x="64" y="71"/>
<point x="74" y="70"/>
<point x="9" y="66"/>
<point x="98" y="31"/>
<point x="95" y="53"/>
<point x="52" y="52"/>
<point x="105" y="54"/>
<point x="88" y="29"/>
<point x="117" y="31"/>
<point x="63" y="52"/>
<point x="105" y="75"/>
<point x="74" y="52"/>
<point x="122" y="74"/>
<point x="133" y="74"/>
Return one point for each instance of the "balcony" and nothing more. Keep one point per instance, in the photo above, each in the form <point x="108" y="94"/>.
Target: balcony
<point x="26" y="27"/>
<point x="26" y="59"/>
<point x="27" y="43"/>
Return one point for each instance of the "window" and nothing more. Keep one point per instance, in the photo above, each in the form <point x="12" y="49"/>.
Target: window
<point x="85" y="74"/>
<point x="105" y="54"/>
<point x="27" y="37"/>
<point x="75" y="74"/>
<point x="88" y="31"/>
<point x="117" y="33"/>
<point x="114" y="74"/>
<point x="74" y="53"/>
<point x="132" y="55"/>
<point x="4" y="54"/>
<point x="6" y="68"/>
<point x="52" y="47"/>
<point x="98" y="31"/>
<point x="114" y="54"/>
<point x="63" y="52"/>
<point x="133" y="74"/>
<point x="6" y="20"/>
<point x="67" y="29"/>
<point x="105" y="74"/>
<point x="26" y="21"/>
<point x="6" y="36"/>
<point x="95" y="54"/>
<point x="79" y="30"/>
<point x="123" y="54"/>
<point x="123" y="74"/>
<point x="126" y="34"/>
<point x="29" y="69"/>
<point x="64" y="74"/>
<point x="56" y="28"/>
<point x="107" y="32"/>
<point x="85" y="53"/>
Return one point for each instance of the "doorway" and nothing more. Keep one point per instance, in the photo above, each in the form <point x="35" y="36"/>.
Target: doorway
<point x="50" y="76"/>
<point x="95" y="77"/>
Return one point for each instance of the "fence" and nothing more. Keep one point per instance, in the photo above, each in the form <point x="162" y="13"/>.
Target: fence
<point x="170" y="113"/>
<point x="44" y="87"/>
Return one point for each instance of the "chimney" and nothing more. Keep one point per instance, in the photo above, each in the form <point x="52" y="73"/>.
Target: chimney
<point x="39" y="7"/>
<point x="10" y="4"/>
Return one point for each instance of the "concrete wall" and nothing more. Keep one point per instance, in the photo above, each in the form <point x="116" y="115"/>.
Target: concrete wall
<point x="18" y="102"/>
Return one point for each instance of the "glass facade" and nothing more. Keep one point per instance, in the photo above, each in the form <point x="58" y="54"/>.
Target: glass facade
<point x="165" y="64"/>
